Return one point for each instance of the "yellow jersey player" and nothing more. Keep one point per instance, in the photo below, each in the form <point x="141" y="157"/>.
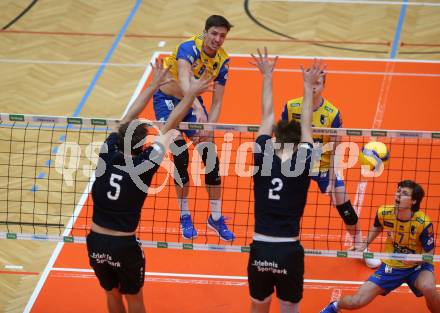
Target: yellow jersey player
<point x="408" y="231"/>
<point x="325" y="114"/>
<point x="190" y="60"/>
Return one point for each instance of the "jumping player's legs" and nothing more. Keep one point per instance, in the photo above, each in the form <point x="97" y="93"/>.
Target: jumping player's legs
<point x="114" y="301"/>
<point x="135" y="302"/>
<point x="261" y="306"/>
<point x="163" y="106"/>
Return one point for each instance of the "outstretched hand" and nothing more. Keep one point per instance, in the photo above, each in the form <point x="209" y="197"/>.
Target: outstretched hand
<point x="160" y="74"/>
<point x="204" y="83"/>
<point x="263" y="63"/>
<point x="314" y="73"/>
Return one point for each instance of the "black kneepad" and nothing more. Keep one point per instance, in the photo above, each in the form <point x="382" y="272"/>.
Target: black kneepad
<point x="211" y="162"/>
<point x="347" y="212"/>
<point x="181" y="159"/>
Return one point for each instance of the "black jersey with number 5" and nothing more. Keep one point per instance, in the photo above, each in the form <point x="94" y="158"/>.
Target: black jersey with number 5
<point x="280" y="188"/>
<point x="117" y="198"/>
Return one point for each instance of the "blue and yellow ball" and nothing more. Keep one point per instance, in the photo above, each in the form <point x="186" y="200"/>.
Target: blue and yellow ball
<point x="373" y="154"/>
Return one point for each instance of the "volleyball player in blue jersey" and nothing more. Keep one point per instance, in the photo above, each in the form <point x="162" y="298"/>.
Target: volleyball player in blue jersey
<point x="281" y="184"/>
<point x="190" y="59"/>
<point x="118" y="195"/>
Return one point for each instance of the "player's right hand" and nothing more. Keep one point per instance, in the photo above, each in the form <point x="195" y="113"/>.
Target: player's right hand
<point x="160" y="74"/>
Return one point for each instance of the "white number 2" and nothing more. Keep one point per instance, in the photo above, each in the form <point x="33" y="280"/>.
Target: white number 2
<point x="278" y="185"/>
<point x="113" y="182"/>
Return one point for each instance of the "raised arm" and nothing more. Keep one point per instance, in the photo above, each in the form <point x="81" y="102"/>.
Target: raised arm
<point x="217" y="99"/>
<point x="159" y="74"/>
<point x="311" y="76"/>
<point x="196" y="87"/>
<point x="266" y="67"/>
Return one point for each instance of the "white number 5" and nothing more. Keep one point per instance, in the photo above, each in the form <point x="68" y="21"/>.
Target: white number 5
<point x="278" y="185"/>
<point x="113" y="182"/>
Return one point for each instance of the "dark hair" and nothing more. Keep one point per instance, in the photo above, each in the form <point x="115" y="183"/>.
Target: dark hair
<point x="139" y="134"/>
<point x="288" y="132"/>
<point x="417" y="192"/>
<point x="217" y="21"/>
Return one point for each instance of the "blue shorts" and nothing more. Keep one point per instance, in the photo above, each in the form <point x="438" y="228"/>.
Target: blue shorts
<point x="389" y="278"/>
<point x="164" y="104"/>
<point x="323" y="180"/>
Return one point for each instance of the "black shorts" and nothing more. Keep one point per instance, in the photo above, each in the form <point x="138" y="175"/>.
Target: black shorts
<point x="276" y="264"/>
<point x="118" y="262"/>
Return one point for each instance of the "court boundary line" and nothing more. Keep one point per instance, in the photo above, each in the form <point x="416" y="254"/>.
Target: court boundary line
<point x="335" y="58"/>
<point x="231" y="277"/>
<point x="288" y="70"/>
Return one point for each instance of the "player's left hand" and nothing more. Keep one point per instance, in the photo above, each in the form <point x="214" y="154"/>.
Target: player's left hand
<point x="263" y="63"/>
<point x="314" y="73"/>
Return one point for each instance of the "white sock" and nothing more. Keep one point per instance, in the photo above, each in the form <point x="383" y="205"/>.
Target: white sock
<point x="216" y="209"/>
<point x="336" y="305"/>
<point x="183" y="205"/>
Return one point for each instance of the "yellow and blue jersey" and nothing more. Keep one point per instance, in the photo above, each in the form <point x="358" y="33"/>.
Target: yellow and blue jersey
<point x="415" y="236"/>
<point x="327" y="115"/>
<point x="191" y="50"/>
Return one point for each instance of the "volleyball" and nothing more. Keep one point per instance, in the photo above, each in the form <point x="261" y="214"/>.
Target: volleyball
<point x="372" y="262"/>
<point x="373" y="154"/>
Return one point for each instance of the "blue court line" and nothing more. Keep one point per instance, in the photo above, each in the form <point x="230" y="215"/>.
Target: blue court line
<point x="94" y="80"/>
<point x="396" y="40"/>
<point x="107" y="58"/>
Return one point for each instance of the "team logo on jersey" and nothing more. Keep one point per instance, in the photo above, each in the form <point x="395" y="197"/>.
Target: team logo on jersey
<point x="322" y="119"/>
<point x="214" y="66"/>
<point x="295" y="104"/>
<point x="329" y="109"/>
<point x="202" y="69"/>
<point x="421" y="221"/>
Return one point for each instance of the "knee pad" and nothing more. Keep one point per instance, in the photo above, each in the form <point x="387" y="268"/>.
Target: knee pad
<point x="181" y="159"/>
<point x="347" y="212"/>
<point x="211" y="162"/>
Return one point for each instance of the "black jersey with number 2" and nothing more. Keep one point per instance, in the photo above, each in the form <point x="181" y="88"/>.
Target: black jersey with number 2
<point x="280" y="188"/>
<point x="117" y="198"/>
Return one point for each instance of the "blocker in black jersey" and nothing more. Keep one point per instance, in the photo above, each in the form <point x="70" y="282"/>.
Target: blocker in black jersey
<point x="280" y="188"/>
<point x="276" y="258"/>
<point x="116" y="197"/>
<point x="123" y="176"/>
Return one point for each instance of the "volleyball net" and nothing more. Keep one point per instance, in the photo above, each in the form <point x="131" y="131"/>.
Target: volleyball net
<point x="47" y="167"/>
